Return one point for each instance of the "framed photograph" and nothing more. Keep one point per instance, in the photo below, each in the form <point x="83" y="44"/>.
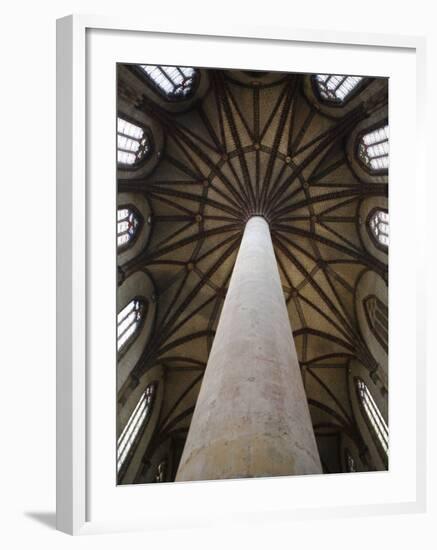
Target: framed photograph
<point x="236" y="315"/>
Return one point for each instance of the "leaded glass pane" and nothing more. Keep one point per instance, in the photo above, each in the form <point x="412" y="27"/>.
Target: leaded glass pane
<point x="128" y="322"/>
<point x="373" y="149"/>
<point x="136" y="421"/>
<point x="172" y="82"/>
<point x="133" y="143"/>
<point x="379" y="227"/>
<point x="127" y="227"/>
<point x="336" y="88"/>
<point x="350" y="462"/>
<point x="373" y="414"/>
<point x="161" y="472"/>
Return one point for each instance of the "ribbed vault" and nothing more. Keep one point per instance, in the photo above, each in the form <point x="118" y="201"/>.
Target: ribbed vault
<point x="255" y="144"/>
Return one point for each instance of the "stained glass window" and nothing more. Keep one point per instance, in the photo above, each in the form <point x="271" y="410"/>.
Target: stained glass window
<point x="128" y="322"/>
<point x="378" y="224"/>
<point x="135" y="424"/>
<point x="172" y="82"/>
<point x="133" y="144"/>
<point x="373" y="149"/>
<point x="373" y="416"/>
<point x="127" y="227"/>
<point x="336" y="88"/>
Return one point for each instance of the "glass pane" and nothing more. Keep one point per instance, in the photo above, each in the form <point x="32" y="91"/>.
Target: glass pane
<point x="379" y="226"/>
<point x="172" y="82"/>
<point x="374" y="149"/>
<point x="132" y="142"/>
<point x="128" y="321"/>
<point x="127" y="226"/>
<point x="373" y="414"/>
<point x="136" y="421"/>
<point x="336" y="88"/>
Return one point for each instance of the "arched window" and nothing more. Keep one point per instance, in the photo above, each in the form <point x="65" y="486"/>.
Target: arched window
<point x="373" y="417"/>
<point x="172" y="82"/>
<point x="129" y="320"/>
<point x="161" y="472"/>
<point x="373" y="149"/>
<point x="350" y="462"/>
<point x="133" y="144"/>
<point x="377" y="317"/>
<point x="336" y="88"/>
<point x="135" y="425"/>
<point x="128" y="225"/>
<point x="378" y="225"/>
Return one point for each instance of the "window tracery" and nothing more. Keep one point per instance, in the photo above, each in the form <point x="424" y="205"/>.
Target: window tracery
<point x="133" y="143"/>
<point x="161" y="472"/>
<point x="350" y="462"/>
<point x="173" y="83"/>
<point x="129" y="321"/>
<point x="377" y="318"/>
<point x="128" y="225"/>
<point x="372" y="415"/>
<point x="373" y="149"/>
<point x="135" y="425"/>
<point x="379" y="227"/>
<point x="336" y="88"/>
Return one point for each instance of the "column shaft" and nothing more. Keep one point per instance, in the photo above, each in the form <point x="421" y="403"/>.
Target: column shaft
<point x="251" y="418"/>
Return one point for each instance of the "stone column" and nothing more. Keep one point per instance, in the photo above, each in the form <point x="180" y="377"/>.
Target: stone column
<point x="251" y="418"/>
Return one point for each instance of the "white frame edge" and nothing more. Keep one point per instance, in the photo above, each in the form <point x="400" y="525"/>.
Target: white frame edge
<point x="71" y="277"/>
<point x="71" y="385"/>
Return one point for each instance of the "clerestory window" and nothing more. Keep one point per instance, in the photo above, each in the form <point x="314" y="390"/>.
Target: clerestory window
<point x="373" y="416"/>
<point x="133" y="143"/>
<point x="174" y="83"/>
<point x="129" y="320"/>
<point x="377" y="318"/>
<point x="379" y="228"/>
<point x="373" y="149"/>
<point x="350" y="462"/>
<point x="135" y="425"/>
<point x="128" y="225"/>
<point x="336" y="88"/>
<point x="161" y="472"/>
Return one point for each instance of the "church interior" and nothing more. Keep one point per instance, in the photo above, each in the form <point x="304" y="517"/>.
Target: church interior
<point x="252" y="269"/>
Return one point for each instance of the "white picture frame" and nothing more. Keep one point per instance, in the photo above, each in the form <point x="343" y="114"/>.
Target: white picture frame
<point x="75" y="345"/>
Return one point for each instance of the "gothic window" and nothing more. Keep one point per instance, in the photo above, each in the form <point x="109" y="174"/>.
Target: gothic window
<point x="336" y="88"/>
<point x="378" y="225"/>
<point x="350" y="462"/>
<point x="377" y="317"/>
<point x="372" y="415"/>
<point x="161" y="472"/>
<point x="128" y="225"/>
<point x="129" y="321"/>
<point x="133" y="143"/>
<point x="373" y="149"/>
<point x="172" y="82"/>
<point x="135" y="425"/>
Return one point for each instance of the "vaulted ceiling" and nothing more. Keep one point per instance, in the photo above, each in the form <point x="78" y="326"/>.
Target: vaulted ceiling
<point x="264" y="144"/>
